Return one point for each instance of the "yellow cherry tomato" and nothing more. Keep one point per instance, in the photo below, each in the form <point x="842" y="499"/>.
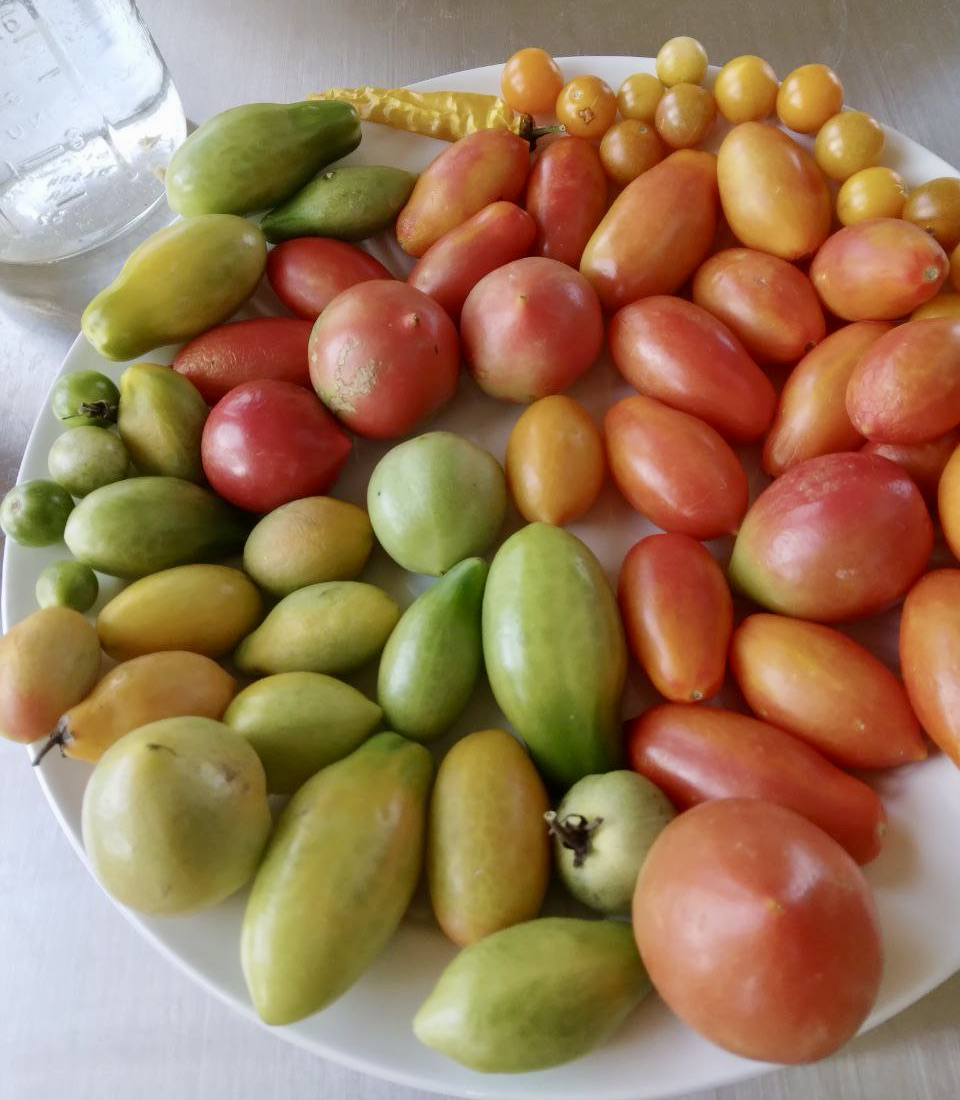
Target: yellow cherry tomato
<point x="586" y="106"/>
<point x="639" y="95"/>
<point x="848" y="142"/>
<point x="876" y="192"/>
<point x="629" y="148"/>
<point x="681" y="60"/>
<point x="685" y="115"/>
<point x="531" y="81"/>
<point x="555" y="463"/>
<point x="955" y="267"/>
<point x="746" y="89"/>
<point x="935" y="207"/>
<point x="809" y="96"/>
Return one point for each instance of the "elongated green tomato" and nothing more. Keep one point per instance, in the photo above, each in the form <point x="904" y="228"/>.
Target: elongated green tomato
<point x="555" y="653"/>
<point x="160" y="421"/>
<point x="811" y="417"/>
<point x="336" y="879"/>
<point x="678" y="613"/>
<point x="834" y="538"/>
<point x="827" y="689"/>
<point x="488" y="853"/>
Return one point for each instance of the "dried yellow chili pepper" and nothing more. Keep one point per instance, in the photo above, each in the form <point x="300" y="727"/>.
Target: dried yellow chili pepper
<point x="445" y="115"/>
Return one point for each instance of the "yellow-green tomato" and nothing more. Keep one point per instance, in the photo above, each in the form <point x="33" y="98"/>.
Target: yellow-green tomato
<point x="488" y="852"/>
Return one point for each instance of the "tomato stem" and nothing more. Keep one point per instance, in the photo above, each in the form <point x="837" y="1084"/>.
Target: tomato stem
<point x="58" y="738"/>
<point x="574" y="832"/>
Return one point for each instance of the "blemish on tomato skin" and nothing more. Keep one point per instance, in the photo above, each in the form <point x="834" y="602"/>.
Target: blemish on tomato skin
<point x="352" y="383"/>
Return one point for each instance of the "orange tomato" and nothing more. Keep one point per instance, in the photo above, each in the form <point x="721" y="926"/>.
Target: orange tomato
<point x="678" y="614"/>
<point x="773" y="193"/>
<point x="944" y="304"/>
<point x="826" y="689"/>
<point x="554" y="462"/>
<point x="948" y="502"/>
<point x="924" y="462"/>
<point x="586" y="107"/>
<point x="531" y="81"/>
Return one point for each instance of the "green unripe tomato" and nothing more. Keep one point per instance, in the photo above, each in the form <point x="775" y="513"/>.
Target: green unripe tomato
<point x="67" y="583"/>
<point x="85" y="397"/>
<point x="86" y="457"/>
<point x="35" y="513"/>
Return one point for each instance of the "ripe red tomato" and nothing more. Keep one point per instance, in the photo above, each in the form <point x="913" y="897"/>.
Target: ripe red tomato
<point x="697" y="754"/>
<point x="307" y="273"/>
<point x="246" y="351"/>
<point x="758" y="931"/>
<point x="384" y="356"/>
<point x="924" y="462"/>
<point x="530" y="328"/>
<point x="269" y="442"/>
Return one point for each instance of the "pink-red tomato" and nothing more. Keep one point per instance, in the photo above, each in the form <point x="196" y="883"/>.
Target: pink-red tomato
<point x="266" y="443"/>
<point x="827" y="689"/>
<point x="929" y="648"/>
<point x="554" y="463"/>
<point x="697" y="754"/>
<point x="452" y="266"/>
<point x="566" y="196"/>
<point x="924" y="462"/>
<point x="384" y="357"/>
<point x="905" y="387"/>
<point x="246" y="351"/>
<point x="767" y="302"/>
<point x="674" y="468"/>
<point x="878" y="270"/>
<point x="834" y="538"/>
<point x="677" y="352"/>
<point x="811" y="417"/>
<point x="307" y="273"/>
<point x="759" y="931"/>
<point x="678" y="615"/>
<point x="530" y="328"/>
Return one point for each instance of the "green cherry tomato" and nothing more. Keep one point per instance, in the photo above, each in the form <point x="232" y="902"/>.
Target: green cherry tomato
<point x="85" y="397"/>
<point x="85" y="457"/>
<point x="35" y="513"/>
<point x="68" y="583"/>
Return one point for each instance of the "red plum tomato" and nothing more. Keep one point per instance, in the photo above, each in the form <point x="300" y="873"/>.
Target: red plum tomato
<point x="269" y="442"/>
<point x="307" y="273"/>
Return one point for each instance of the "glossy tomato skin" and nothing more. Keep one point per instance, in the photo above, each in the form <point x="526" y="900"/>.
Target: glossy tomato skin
<point x="384" y="357"/>
<point x="453" y="265"/>
<point x="674" y="468"/>
<point x="930" y="656"/>
<point x="767" y="302"/>
<point x="656" y="232"/>
<point x="811" y="417"/>
<point x="246" y="351"/>
<point x="678" y="615"/>
<point x="530" y="328"/>
<point x="906" y="386"/>
<point x="269" y="442"/>
<point x="773" y="194"/>
<point x="834" y="538"/>
<point x="948" y="502"/>
<point x="307" y="273"/>
<point x="759" y="931"/>
<point x="826" y="689"/>
<point x="878" y="270"/>
<point x="679" y="353"/>
<point x="697" y="754"/>
<point x="566" y="196"/>
<point x="924" y="462"/>
<point x="468" y="175"/>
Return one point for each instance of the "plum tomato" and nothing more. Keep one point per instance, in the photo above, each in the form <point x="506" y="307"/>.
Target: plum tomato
<point x="307" y="273"/>
<point x="924" y="462"/>
<point x="384" y="357"/>
<point x="759" y="931"/>
<point x="269" y="442"/>
<point x="530" y="328"/>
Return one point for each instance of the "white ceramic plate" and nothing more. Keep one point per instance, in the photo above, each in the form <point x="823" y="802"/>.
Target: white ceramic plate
<point x="916" y="878"/>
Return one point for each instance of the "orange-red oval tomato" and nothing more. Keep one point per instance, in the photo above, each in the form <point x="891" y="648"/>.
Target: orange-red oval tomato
<point x="906" y="386"/>
<point x="678" y="615"/>
<point x="834" y="538"/>
<point x="948" y="502"/>
<point x="566" y="196"/>
<point x="930" y="656"/>
<point x="452" y="266"/>
<point x="878" y="270"/>
<point x="677" y="352"/>
<point x="759" y="931"/>
<point x="766" y="301"/>
<point x="774" y="195"/>
<point x="554" y="462"/>
<point x="944" y="304"/>
<point x="383" y="357"/>
<point x="674" y="468"/>
<point x="307" y="273"/>
<point x="530" y="328"/>
<point x="696" y="754"/>
<point x="246" y="351"/>
<point x="464" y="178"/>
<point x="811" y="417"/>
<point x="827" y="689"/>
<point x="924" y="462"/>
<point x="656" y="231"/>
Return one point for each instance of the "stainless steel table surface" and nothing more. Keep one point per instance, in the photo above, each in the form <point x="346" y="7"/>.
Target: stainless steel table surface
<point x="89" y="1010"/>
